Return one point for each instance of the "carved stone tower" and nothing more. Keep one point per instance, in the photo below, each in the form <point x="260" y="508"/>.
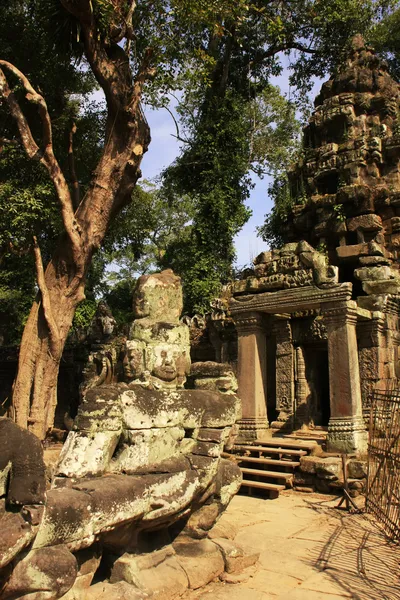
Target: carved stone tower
<point x="319" y="329"/>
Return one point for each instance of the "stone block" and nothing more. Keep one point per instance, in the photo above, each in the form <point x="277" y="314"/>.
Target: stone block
<point x="235" y="557"/>
<point x="147" y="447"/>
<point x="264" y="257"/>
<point x="85" y="453"/>
<point x="323" y="467"/>
<point x="306" y="489"/>
<point x="202" y="520"/>
<point x="157" y="574"/>
<point x="201" y="560"/>
<point x="303" y="478"/>
<point x="389" y="286"/>
<point x="207" y="449"/>
<point x="370" y="261"/>
<point x="205" y="434"/>
<point x="356" y="250"/>
<point x="223" y="529"/>
<point x="365" y="223"/>
<point x="374" y="273"/>
<point x="357" y="469"/>
<point x="210" y="369"/>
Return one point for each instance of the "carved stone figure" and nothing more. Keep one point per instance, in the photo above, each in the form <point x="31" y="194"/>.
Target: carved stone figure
<point x="158" y="348"/>
<point x="143" y="456"/>
<point x="103" y="324"/>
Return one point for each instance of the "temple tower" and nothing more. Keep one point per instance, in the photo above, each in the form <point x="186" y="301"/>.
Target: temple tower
<point x="326" y="305"/>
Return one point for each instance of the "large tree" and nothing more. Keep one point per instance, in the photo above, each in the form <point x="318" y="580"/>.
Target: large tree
<point x="61" y="284"/>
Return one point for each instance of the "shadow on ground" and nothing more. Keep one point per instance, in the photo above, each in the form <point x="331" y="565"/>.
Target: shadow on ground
<point x="357" y="556"/>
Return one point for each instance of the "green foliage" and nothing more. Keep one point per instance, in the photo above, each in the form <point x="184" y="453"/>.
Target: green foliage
<point x="142" y="232"/>
<point x="84" y="314"/>
<point x="28" y="204"/>
<point x="119" y="299"/>
<point x="385" y="37"/>
<point x="340" y="214"/>
<point x="273" y="229"/>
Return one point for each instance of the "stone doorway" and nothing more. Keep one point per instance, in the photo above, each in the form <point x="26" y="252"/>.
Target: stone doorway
<point x="317" y="380"/>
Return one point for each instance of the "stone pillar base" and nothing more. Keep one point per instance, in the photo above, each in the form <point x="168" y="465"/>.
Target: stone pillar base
<point x="347" y="435"/>
<point x="252" y="428"/>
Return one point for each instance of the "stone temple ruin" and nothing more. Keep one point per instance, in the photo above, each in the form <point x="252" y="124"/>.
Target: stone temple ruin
<point x="318" y="319"/>
<point x="129" y="508"/>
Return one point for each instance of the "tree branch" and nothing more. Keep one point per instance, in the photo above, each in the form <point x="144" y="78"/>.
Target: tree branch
<point x="46" y="155"/>
<point x="72" y="171"/>
<point x="107" y="70"/>
<point x="146" y="71"/>
<point x="54" y="335"/>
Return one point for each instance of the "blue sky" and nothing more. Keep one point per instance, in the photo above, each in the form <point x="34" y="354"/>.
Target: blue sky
<point x="164" y="148"/>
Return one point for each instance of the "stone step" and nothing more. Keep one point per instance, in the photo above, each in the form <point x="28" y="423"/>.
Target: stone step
<point x="268" y="450"/>
<point x="263" y="473"/>
<point x="287" y="443"/>
<point x="263" y="486"/>
<point x="262" y="461"/>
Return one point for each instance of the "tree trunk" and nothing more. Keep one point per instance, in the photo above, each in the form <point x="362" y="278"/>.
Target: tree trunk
<point x="35" y="388"/>
<point x="61" y="286"/>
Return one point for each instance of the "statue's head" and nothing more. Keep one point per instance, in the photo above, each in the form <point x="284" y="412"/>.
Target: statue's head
<point x="158" y="349"/>
<point x="158" y="297"/>
<point x="134" y="362"/>
<point x="160" y="357"/>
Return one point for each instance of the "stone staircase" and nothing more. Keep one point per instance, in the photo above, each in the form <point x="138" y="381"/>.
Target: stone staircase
<point x="268" y="466"/>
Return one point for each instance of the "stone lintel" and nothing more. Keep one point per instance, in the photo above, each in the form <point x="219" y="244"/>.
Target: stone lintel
<point x="347" y="435"/>
<point x="289" y="301"/>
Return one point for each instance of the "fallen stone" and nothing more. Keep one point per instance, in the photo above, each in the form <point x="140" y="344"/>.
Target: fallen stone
<point x="324" y="468"/>
<point x="223" y="529"/>
<point x="48" y="570"/>
<point x="357" y="469"/>
<point x="201" y="560"/>
<point x="233" y="578"/>
<point x="158" y="574"/>
<point x="236" y="560"/>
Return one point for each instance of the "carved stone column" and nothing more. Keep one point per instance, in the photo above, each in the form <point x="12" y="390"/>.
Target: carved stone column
<point x="302" y="390"/>
<point x="284" y="371"/>
<point x="372" y="358"/>
<point x="252" y="366"/>
<point x="346" y="429"/>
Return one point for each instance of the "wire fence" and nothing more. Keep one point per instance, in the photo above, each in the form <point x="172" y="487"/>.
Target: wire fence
<point x="383" y="482"/>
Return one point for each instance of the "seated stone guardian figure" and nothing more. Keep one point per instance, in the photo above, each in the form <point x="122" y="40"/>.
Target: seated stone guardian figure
<point x="142" y="463"/>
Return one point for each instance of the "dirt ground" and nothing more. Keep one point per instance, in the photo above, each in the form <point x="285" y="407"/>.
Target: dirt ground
<point x="308" y="551"/>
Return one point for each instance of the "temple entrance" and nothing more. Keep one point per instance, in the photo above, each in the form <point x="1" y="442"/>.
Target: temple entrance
<point x="317" y="377"/>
